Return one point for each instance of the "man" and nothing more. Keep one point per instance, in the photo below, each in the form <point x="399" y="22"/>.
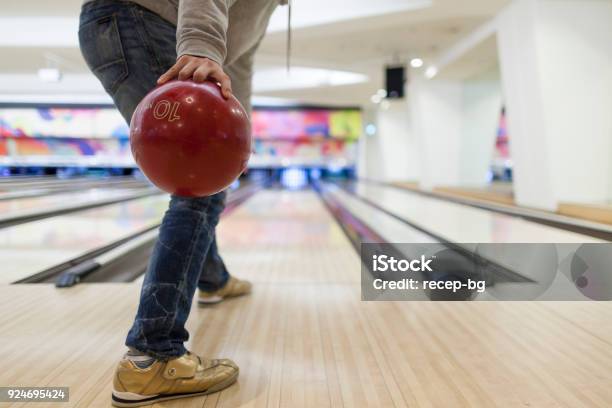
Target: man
<point x="131" y="46"/>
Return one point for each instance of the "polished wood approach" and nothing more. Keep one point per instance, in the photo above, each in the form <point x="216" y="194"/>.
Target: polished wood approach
<point x="498" y="193"/>
<point x="304" y="338"/>
<point x="591" y="212"/>
<point x="503" y="196"/>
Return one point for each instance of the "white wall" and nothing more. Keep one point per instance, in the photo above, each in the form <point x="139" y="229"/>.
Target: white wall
<point x="391" y="153"/>
<point x="367" y="150"/>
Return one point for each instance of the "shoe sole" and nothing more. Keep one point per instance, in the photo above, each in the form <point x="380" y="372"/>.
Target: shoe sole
<point x="120" y="402"/>
<point x="212" y="300"/>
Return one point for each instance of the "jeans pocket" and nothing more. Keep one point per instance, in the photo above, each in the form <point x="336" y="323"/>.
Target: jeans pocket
<point x="102" y="49"/>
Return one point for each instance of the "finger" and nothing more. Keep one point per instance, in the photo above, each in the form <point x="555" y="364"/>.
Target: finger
<point x="201" y="73"/>
<point x="187" y="71"/>
<point x="226" y="87"/>
<point x="224" y="80"/>
<point x="171" y="73"/>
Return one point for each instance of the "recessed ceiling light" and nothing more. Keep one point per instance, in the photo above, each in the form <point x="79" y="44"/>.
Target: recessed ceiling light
<point x="416" y="63"/>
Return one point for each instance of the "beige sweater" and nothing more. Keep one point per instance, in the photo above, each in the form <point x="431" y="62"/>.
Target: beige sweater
<point x="226" y="31"/>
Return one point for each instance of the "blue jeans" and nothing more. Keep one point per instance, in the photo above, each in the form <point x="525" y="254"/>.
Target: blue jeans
<point x="128" y="47"/>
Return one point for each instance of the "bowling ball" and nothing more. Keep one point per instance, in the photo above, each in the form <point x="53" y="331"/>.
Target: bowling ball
<point x="188" y="140"/>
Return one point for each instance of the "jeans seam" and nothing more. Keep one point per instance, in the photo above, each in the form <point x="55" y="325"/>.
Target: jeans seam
<point x="167" y="247"/>
<point x="126" y="70"/>
<point x="108" y="64"/>
<point x="140" y="28"/>
<point x="194" y="239"/>
<point x="185" y="271"/>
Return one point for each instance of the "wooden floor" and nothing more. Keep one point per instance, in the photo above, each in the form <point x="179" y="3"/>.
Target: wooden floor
<point x="304" y="338"/>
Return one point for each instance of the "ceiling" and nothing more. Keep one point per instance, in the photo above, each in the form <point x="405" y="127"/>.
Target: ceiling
<point x="41" y="8"/>
<point x="325" y="35"/>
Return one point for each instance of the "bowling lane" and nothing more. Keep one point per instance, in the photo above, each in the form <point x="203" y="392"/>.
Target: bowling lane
<point x="279" y="228"/>
<point x="29" y="248"/>
<point x="461" y="223"/>
<point x="19" y="207"/>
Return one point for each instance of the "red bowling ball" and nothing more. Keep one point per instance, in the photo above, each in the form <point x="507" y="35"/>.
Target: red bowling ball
<point x="189" y="140"/>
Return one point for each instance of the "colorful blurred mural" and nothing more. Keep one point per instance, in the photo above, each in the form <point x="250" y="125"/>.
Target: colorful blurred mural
<point x="100" y="136"/>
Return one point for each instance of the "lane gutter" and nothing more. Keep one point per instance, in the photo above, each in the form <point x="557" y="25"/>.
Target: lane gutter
<point x="358" y="232"/>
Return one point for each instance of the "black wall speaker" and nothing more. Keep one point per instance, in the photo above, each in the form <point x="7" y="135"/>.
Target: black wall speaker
<point x="395" y="79"/>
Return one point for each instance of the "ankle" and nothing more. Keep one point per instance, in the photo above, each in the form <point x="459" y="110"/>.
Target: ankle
<point x="138" y="358"/>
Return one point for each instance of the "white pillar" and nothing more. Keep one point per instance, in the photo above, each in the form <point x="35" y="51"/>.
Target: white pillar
<point x="482" y="104"/>
<point x="556" y="64"/>
<point x="456" y="124"/>
<point x="436" y="120"/>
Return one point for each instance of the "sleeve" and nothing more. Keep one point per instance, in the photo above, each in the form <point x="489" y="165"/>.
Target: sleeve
<point x="202" y="29"/>
<point x="241" y="75"/>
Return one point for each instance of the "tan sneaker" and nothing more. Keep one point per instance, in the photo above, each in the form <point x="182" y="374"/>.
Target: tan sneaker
<point x="186" y="376"/>
<point x="234" y="287"/>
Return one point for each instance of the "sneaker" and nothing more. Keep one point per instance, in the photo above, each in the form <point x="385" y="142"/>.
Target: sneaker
<point x="186" y="376"/>
<point x="234" y="287"/>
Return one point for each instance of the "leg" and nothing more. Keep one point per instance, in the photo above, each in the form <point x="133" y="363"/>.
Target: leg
<point x="128" y="47"/>
<point x="214" y="206"/>
<point x="171" y="278"/>
<point x="214" y="274"/>
<point x="215" y="282"/>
